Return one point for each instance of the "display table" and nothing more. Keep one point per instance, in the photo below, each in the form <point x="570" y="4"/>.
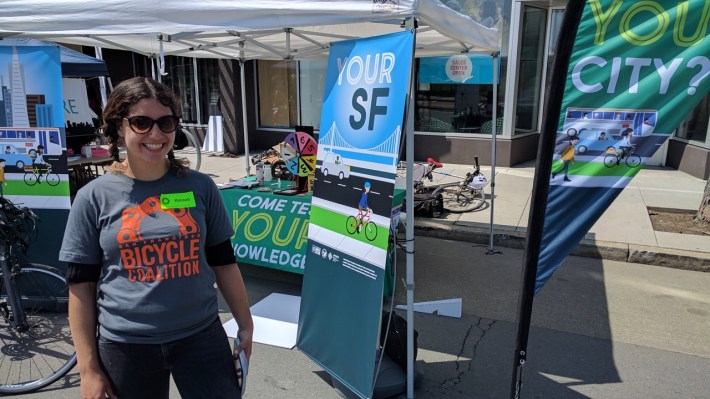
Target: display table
<point x="82" y="170"/>
<point x="271" y="230"/>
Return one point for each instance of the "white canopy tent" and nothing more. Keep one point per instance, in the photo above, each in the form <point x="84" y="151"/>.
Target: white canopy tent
<point x="269" y="29"/>
<point x="264" y="29"/>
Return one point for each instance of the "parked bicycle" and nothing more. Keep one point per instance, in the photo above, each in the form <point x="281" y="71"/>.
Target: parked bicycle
<point x="627" y="156"/>
<point x="36" y="348"/>
<point x="458" y="196"/>
<point x="34" y="173"/>
<point x="360" y="222"/>
<point x="278" y="165"/>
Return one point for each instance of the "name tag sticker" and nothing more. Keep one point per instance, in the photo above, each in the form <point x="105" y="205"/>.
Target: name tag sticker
<point x="177" y="200"/>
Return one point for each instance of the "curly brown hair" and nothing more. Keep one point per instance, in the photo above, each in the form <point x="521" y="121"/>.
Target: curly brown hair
<point x="122" y="98"/>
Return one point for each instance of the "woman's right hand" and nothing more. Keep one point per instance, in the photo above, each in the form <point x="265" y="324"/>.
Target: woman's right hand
<point x="95" y="385"/>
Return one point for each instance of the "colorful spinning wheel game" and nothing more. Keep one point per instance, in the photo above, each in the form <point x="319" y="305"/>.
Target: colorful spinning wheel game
<point x="299" y="153"/>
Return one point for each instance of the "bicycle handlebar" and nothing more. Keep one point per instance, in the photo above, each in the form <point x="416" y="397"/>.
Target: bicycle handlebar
<point x="16" y="223"/>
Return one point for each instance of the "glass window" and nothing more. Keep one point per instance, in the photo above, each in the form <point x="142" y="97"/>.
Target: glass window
<point x="208" y="75"/>
<point x="443" y="105"/>
<point x="180" y="79"/>
<point x="277" y="93"/>
<point x="311" y="77"/>
<point x="457" y="108"/>
<point x="695" y="127"/>
<point x="555" y="24"/>
<point x="532" y="47"/>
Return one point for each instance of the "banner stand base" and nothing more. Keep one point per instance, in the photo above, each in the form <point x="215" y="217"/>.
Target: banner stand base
<point x="391" y="381"/>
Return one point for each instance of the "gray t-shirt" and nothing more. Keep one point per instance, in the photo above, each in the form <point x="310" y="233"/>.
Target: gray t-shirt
<point x="155" y="284"/>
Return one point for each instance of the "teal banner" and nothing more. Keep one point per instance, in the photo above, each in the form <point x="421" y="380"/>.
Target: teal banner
<point x="33" y="161"/>
<point x="367" y="82"/>
<point x="636" y="71"/>
<point x="269" y="230"/>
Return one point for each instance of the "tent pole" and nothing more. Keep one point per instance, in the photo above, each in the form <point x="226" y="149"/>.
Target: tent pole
<point x="409" y="226"/>
<point x="196" y="77"/>
<point x="541" y="185"/>
<point x="242" y="79"/>
<point x="494" y="133"/>
<point x="102" y="79"/>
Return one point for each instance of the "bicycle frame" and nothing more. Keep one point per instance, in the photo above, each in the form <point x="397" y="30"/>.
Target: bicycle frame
<point x="363" y="215"/>
<point x="19" y="321"/>
<point x="464" y="179"/>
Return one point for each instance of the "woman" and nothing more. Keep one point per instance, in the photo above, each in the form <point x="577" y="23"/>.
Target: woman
<point x="146" y="243"/>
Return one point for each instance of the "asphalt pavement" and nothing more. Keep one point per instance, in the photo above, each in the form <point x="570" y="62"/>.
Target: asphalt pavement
<point x="600" y="329"/>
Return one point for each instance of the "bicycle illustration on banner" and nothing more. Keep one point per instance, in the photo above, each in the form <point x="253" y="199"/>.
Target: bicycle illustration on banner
<point x="355" y="224"/>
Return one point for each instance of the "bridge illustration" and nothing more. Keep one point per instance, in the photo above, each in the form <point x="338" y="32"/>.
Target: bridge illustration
<point x="389" y="148"/>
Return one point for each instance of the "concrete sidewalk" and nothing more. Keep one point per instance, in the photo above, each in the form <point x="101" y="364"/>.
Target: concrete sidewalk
<point x="623" y="233"/>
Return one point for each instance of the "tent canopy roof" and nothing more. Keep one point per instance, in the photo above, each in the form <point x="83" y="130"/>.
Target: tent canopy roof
<point x="264" y="29"/>
<point x="74" y="64"/>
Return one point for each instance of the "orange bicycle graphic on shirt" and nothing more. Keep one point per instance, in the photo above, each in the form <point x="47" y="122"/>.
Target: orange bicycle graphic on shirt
<point x="360" y="222"/>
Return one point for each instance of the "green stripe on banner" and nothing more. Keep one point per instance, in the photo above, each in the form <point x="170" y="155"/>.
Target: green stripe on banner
<point x="580" y="168"/>
<point x="337" y="222"/>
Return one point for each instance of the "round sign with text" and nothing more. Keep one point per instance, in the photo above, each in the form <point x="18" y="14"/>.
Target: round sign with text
<point x="459" y="68"/>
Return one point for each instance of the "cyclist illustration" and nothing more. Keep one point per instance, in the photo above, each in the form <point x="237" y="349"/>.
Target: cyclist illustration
<point x="39" y="164"/>
<point x="362" y="206"/>
<point x="354" y="224"/>
<point x="625" y="145"/>
<point x="567" y="157"/>
<point x="3" y="181"/>
<point x="40" y="168"/>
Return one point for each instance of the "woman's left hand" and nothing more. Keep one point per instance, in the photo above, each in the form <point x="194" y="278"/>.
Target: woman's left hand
<point x="245" y="343"/>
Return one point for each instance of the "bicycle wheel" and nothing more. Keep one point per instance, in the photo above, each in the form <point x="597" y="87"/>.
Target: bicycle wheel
<point x="196" y="145"/>
<point x="633" y="161"/>
<point x="44" y="351"/>
<point x="53" y="179"/>
<point x="371" y="231"/>
<point x="461" y="199"/>
<point x="610" y="160"/>
<point x="351" y="224"/>
<point x="30" y="178"/>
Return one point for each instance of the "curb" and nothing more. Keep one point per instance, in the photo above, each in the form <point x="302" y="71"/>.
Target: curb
<point x="621" y="252"/>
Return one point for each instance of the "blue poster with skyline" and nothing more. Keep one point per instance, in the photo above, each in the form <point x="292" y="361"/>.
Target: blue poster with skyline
<point x="33" y="161"/>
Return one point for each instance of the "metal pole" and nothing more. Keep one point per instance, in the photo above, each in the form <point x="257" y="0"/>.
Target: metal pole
<point x="102" y="79"/>
<point x="494" y="132"/>
<point x="409" y="234"/>
<point x="541" y="184"/>
<point x="242" y="79"/>
<point x="196" y="78"/>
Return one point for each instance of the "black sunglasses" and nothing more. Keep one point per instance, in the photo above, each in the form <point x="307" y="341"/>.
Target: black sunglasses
<point x="142" y="124"/>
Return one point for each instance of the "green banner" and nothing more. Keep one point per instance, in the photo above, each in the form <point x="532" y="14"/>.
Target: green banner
<point x="270" y="230"/>
<point x="637" y="69"/>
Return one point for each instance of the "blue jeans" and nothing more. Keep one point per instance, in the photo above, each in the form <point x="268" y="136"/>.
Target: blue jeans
<point x="201" y="365"/>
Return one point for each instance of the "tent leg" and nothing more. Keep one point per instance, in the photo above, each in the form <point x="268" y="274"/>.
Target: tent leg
<point x="494" y="133"/>
<point x="409" y="235"/>
<point x="242" y="78"/>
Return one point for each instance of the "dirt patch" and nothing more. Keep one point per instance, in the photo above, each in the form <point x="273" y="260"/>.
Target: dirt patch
<point x="677" y="221"/>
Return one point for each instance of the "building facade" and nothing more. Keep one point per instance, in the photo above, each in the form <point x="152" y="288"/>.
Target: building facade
<point x="453" y="121"/>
